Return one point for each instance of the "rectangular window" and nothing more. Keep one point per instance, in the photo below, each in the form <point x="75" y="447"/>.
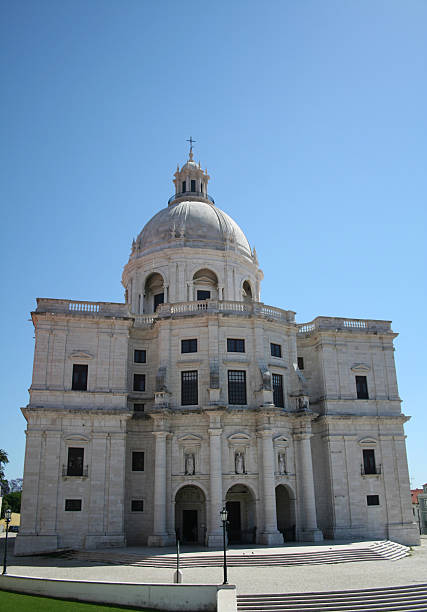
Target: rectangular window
<point x="237" y="387"/>
<point x="278" y="390"/>
<point x="193" y="185"/>
<point x="203" y="295"/>
<point x="184" y="186"/>
<point x="137" y="505"/>
<point x="235" y="345"/>
<point x="189" y="346"/>
<point x="75" y="461"/>
<point x="159" y="298"/>
<point x="189" y="388"/>
<point x="373" y="500"/>
<point x="369" y="466"/>
<point x="300" y="363"/>
<point x="362" y="387"/>
<point x="137" y="461"/>
<point x="73" y="505"/>
<point x="139" y="382"/>
<point x="139" y="407"/>
<point x="139" y="356"/>
<point x="276" y="350"/>
<point x="79" y="382"/>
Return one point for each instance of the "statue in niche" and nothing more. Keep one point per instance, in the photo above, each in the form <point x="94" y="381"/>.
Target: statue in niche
<point x="266" y="380"/>
<point x="189" y="464"/>
<point x="239" y="463"/>
<point x="303" y="403"/>
<point x="281" y="462"/>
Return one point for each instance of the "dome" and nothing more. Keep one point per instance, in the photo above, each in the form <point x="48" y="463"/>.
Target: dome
<point x="195" y="224"/>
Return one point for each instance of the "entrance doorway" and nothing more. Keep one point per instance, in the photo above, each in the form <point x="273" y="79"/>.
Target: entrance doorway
<point x="189" y="526"/>
<point x="240" y="504"/>
<point x="190" y="515"/>
<point x="285" y="511"/>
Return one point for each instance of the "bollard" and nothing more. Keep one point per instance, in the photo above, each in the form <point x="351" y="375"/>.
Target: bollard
<point x="177" y="577"/>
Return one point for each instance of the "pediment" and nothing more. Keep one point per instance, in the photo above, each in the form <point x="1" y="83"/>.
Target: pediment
<point x="239" y="437"/>
<point x="360" y="367"/>
<point x="280" y="441"/>
<point x="77" y="437"/>
<point x="80" y="355"/>
<point x="367" y="441"/>
<point x="190" y="438"/>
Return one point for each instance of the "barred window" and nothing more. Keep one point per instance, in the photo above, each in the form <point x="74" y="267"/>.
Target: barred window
<point x="75" y="461"/>
<point x="137" y="461"/>
<point x="235" y="345"/>
<point x="73" y="505"/>
<point x="276" y="350"/>
<point x="139" y="356"/>
<point x="139" y="382"/>
<point x="189" y="346"/>
<point x="79" y="382"/>
<point x="278" y="390"/>
<point x="189" y="388"/>
<point x="237" y="387"/>
<point x="362" y="387"/>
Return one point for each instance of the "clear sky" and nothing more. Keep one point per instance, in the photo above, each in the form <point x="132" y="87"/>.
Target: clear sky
<point x="309" y="115"/>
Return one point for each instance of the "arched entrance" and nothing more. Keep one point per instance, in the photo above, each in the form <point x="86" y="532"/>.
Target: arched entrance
<point x="285" y="510"/>
<point x="241" y="507"/>
<point x="154" y="292"/>
<point x="190" y="515"/>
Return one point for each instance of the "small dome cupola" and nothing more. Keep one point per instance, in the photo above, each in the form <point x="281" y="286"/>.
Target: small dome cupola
<point x="191" y="182"/>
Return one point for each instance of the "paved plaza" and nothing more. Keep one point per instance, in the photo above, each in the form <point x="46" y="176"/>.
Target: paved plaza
<point x="248" y="579"/>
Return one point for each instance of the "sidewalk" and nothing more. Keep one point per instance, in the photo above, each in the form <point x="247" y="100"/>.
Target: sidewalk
<point x="305" y="578"/>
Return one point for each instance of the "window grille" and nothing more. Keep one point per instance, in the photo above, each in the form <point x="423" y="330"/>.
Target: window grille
<point x="276" y="350"/>
<point x="189" y="388"/>
<point x="139" y="356"/>
<point x="235" y="345"/>
<point x="139" y="382"/>
<point x="189" y="346"/>
<point x="278" y="390"/>
<point x="137" y="461"/>
<point x="237" y="387"/>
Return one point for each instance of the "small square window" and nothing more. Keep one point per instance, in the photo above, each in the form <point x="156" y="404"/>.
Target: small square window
<point x="73" y="505"/>
<point x="276" y="350"/>
<point x="235" y="345"/>
<point x="137" y="505"/>
<point x="139" y="356"/>
<point x="139" y="382"/>
<point x="203" y="295"/>
<point x="300" y="363"/>
<point x="137" y="461"/>
<point x="373" y="500"/>
<point x="362" y="387"/>
<point x="79" y="381"/>
<point x="189" y="346"/>
<point x="139" y="407"/>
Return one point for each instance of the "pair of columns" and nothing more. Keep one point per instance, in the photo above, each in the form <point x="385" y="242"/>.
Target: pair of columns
<point x="270" y="536"/>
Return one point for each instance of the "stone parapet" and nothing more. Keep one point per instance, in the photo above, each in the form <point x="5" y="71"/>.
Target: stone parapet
<point x="346" y="325"/>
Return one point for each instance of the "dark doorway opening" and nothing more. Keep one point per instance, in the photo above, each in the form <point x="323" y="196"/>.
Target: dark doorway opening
<point x="189" y="525"/>
<point x="234" y="522"/>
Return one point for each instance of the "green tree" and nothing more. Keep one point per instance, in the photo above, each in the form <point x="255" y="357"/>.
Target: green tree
<point x="3" y="459"/>
<point x="12" y="501"/>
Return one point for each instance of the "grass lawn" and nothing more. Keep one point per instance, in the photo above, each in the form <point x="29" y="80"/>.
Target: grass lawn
<point x="15" y="602"/>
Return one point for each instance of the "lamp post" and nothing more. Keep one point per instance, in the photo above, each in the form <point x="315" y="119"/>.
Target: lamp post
<point x="224" y="516"/>
<point x="7" y="516"/>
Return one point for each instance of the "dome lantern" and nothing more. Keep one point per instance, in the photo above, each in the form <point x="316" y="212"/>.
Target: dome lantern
<point x="191" y="182"/>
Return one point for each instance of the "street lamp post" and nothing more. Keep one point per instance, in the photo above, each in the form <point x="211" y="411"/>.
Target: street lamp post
<point x="224" y="516"/>
<point x="7" y="516"/>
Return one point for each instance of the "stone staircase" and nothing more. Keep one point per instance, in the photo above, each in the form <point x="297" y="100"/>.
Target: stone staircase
<point x="390" y="599"/>
<point x="376" y="551"/>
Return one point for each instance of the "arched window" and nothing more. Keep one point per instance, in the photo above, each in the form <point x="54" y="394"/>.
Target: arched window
<point x="205" y="285"/>
<point x="154" y="292"/>
<point x="247" y="292"/>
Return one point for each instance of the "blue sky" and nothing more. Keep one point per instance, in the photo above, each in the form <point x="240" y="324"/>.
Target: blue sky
<point x="310" y="117"/>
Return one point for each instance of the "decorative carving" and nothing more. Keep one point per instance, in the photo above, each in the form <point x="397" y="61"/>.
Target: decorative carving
<point x="302" y="403"/>
<point x="161" y="379"/>
<point x="80" y="355"/>
<point x="239" y="463"/>
<point x="266" y="378"/>
<point x="360" y="367"/>
<point x="173" y="231"/>
<point x="189" y="464"/>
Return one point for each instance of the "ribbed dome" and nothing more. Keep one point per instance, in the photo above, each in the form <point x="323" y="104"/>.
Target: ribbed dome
<point x="191" y="224"/>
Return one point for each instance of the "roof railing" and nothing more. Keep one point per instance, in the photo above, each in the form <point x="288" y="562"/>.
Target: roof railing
<point x="194" y="194"/>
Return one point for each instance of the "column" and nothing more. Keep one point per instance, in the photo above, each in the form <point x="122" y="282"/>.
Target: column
<point x="159" y="536"/>
<point x="215" y="482"/>
<point x="307" y="502"/>
<point x="270" y="534"/>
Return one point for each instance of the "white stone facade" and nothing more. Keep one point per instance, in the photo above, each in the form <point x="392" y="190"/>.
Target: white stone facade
<point x="193" y="394"/>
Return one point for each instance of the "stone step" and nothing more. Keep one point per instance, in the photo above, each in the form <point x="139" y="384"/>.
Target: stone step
<point x="406" y="598"/>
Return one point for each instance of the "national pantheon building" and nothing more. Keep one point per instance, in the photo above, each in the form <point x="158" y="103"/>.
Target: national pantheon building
<point x="147" y="417"/>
